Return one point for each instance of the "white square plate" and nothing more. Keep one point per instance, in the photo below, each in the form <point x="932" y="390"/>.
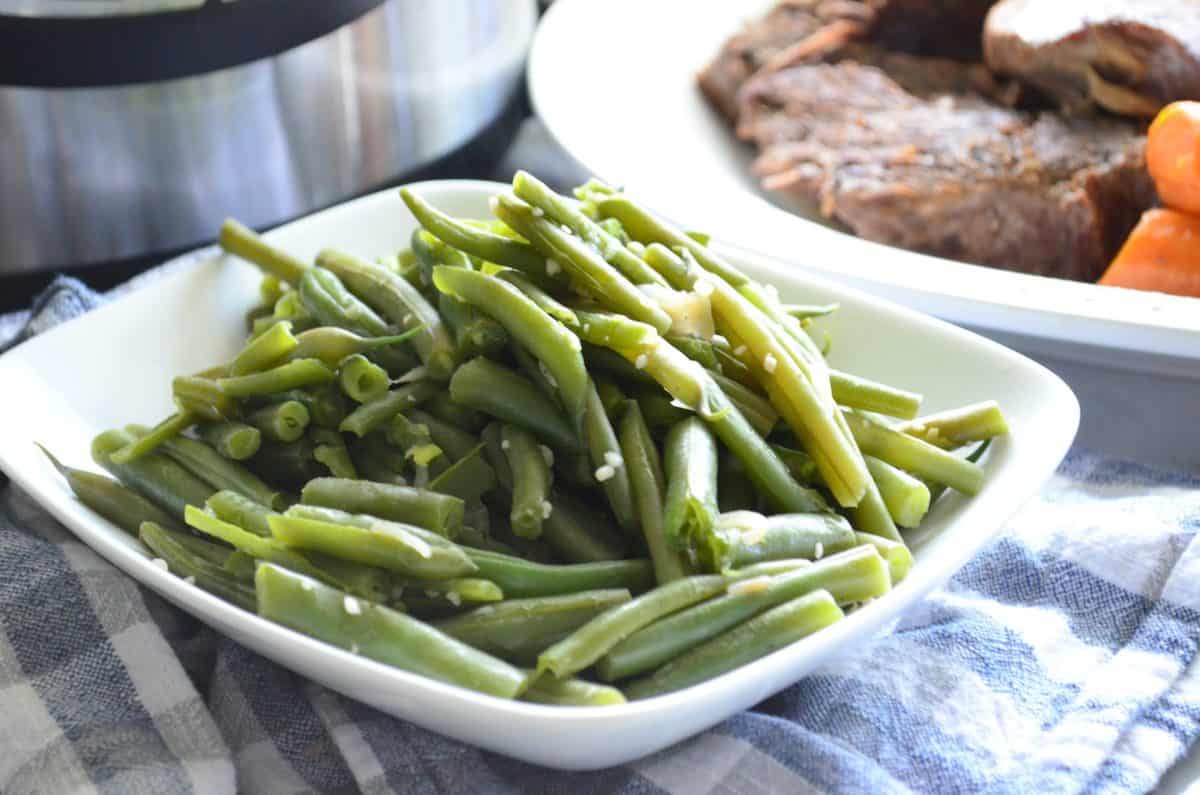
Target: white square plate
<point x="113" y="366"/>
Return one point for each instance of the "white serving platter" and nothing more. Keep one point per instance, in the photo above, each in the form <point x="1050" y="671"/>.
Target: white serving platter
<point x="615" y="85"/>
<point x="113" y="366"/>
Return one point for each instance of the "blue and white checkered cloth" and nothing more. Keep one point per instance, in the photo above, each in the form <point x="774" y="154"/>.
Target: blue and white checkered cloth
<point x="1061" y="659"/>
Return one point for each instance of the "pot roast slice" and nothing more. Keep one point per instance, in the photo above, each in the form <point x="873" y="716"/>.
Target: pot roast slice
<point x="900" y="159"/>
<point x="1128" y="56"/>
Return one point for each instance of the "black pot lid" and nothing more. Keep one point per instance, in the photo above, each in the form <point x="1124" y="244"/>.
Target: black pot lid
<point x="76" y="45"/>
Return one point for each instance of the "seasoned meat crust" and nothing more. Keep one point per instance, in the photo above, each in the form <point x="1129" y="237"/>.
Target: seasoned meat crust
<point x="915" y="157"/>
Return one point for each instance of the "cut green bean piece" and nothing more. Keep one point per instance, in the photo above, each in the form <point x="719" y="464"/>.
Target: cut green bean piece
<point x="170" y="427"/>
<point x="937" y="490"/>
<point x="294" y="374"/>
<point x="571" y="693"/>
<point x="268" y="549"/>
<point x="374" y="415"/>
<point x="245" y="243"/>
<point x="457" y="442"/>
<point x="281" y="422"/>
<point x="906" y="497"/>
<point x="202" y="397"/>
<point x="609" y="465"/>
<point x="327" y="299"/>
<point x="361" y="379"/>
<point x="121" y="506"/>
<point x="757" y="410"/>
<point x="222" y="473"/>
<point x="182" y="561"/>
<point x="853" y="576"/>
<point x="690" y="507"/>
<point x="265" y="351"/>
<point x="468" y="478"/>
<point x="457" y="591"/>
<point x="380" y="633"/>
<point x="520" y="578"/>
<point x="332" y="345"/>
<point x="957" y="427"/>
<point x="860" y="393"/>
<point x="762" y="635"/>
<point x="518" y="630"/>
<point x="485" y="386"/>
<point x="531" y="481"/>
<point x="591" y="641"/>
<point x="155" y="476"/>
<point x="441" y="513"/>
<point x="897" y="555"/>
<point x="915" y="456"/>
<point x="234" y="440"/>
<point x="235" y="508"/>
<point x="646" y="478"/>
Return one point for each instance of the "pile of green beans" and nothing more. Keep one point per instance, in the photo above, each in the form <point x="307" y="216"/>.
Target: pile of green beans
<point x="569" y="441"/>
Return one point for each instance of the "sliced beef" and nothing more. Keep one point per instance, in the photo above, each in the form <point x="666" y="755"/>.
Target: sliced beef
<point x="900" y="160"/>
<point x="1127" y="56"/>
<point x="949" y="28"/>
<point x="787" y="25"/>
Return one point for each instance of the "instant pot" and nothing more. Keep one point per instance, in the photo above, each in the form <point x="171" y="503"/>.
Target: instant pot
<point x="131" y="128"/>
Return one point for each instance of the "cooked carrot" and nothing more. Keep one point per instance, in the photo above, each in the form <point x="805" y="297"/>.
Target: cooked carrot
<point x="1173" y="155"/>
<point x="1161" y="254"/>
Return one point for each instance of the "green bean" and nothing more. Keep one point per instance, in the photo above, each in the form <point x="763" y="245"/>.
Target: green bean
<point x="571" y="693"/>
<point x="213" y="468"/>
<point x="154" y="476"/>
<point x="441" y="513"/>
<point x="610" y="470"/>
<point x="266" y="350"/>
<point x="445" y="409"/>
<point x="937" y="490"/>
<point x="475" y="333"/>
<point x="361" y="379"/>
<point x="402" y="303"/>
<point x="757" y="410"/>
<point x="661" y="411"/>
<point x="485" y="386"/>
<point x="368" y="582"/>
<point x="389" y="545"/>
<point x="531" y="481"/>
<point x="853" y="576"/>
<point x="582" y="263"/>
<point x="107" y="497"/>
<point x="545" y="302"/>
<point x="281" y="422"/>
<point x="242" y="241"/>
<point x="518" y="630"/>
<point x="557" y="208"/>
<point x="646" y="478"/>
<point x="230" y="506"/>
<point x="914" y="456"/>
<point x="593" y="640"/>
<point x="270" y="288"/>
<point x="897" y="555"/>
<point x="748" y="537"/>
<point x="611" y="363"/>
<point x="172" y="426"/>
<point x="474" y="241"/>
<point x="611" y="397"/>
<point x="289" y="308"/>
<point x="327" y="299"/>
<point x="329" y="448"/>
<point x="379" y="633"/>
<point x="520" y="578"/>
<point x="556" y="348"/>
<point x="578" y="533"/>
<point x="762" y="635"/>
<point x="468" y="478"/>
<point x="332" y="345"/>
<point x="327" y="405"/>
<point x="234" y="440"/>
<point x="860" y="393"/>
<point x="800" y="464"/>
<point x="292" y="463"/>
<point x="667" y="264"/>
<point x="690" y="506"/>
<point x="906" y="498"/>
<point x="644" y="227"/>
<point x="296" y="373"/>
<point x="256" y="546"/>
<point x="457" y="442"/>
<point x="697" y="350"/>
<point x="202" y="571"/>
<point x="457" y="590"/>
<point x="202" y="397"/>
<point x="370" y="416"/>
<point x="957" y="427"/>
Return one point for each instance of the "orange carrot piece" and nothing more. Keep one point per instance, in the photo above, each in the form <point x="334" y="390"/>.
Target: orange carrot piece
<point x="1162" y="254"/>
<point x="1173" y="155"/>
